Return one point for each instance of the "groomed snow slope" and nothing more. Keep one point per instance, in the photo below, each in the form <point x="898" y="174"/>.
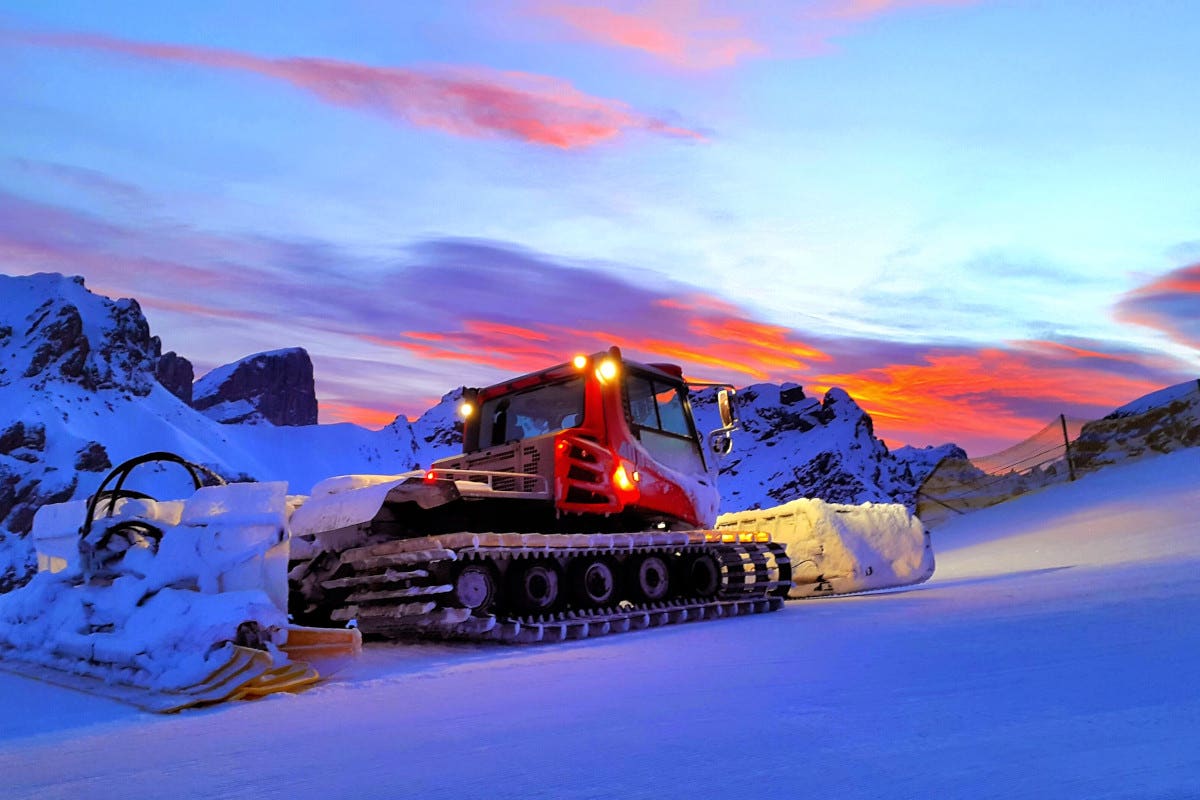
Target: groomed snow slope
<point x="1054" y="654"/>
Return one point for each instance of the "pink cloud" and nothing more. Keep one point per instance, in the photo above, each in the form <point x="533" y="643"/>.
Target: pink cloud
<point x="685" y="33"/>
<point x="1169" y="303"/>
<point x="861" y="10"/>
<point x="464" y="101"/>
<point x="709" y="34"/>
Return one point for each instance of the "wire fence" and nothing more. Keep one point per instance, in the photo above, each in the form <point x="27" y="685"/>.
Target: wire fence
<point x="1060" y="452"/>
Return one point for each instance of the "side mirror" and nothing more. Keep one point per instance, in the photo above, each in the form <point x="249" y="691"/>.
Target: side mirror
<point x="720" y="441"/>
<point x="725" y="404"/>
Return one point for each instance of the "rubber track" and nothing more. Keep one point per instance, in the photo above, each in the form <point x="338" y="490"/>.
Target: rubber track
<point x="756" y="578"/>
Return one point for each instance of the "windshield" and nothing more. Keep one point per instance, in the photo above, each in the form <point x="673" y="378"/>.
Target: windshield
<point x="533" y="412"/>
<point x="662" y="423"/>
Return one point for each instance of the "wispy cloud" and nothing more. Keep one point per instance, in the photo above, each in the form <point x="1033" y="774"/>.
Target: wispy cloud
<point x="713" y="34"/>
<point x="685" y="33"/>
<point x="861" y="10"/>
<point x="92" y="181"/>
<point x="1170" y="303"/>
<point x="460" y="100"/>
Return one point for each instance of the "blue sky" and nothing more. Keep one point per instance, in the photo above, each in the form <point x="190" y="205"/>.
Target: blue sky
<point x="972" y="215"/>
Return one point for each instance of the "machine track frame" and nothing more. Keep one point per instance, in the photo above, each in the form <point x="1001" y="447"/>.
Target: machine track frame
<point x="414" y="587"/>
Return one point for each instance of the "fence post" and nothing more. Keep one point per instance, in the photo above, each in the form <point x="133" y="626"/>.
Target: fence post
<point x="1067" y="444"/>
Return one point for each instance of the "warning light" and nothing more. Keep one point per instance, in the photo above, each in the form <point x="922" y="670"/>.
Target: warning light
<point x="431" y="476"/>
<point x="607" y="370"/>
<point x="466" y="409"/>
<point x="579" y="362"/>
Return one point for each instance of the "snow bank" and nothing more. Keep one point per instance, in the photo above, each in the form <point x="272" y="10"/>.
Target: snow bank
<point x="126" y="610"/>
<point x="842" y="548"/>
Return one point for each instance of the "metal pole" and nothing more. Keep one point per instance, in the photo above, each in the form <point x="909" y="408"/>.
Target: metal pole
<point x="1067" y="444"/>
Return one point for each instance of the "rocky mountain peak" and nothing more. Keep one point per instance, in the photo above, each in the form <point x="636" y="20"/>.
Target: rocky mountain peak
<point x="275" y="387"/>
<point x="793" y="446"/>
<point x="56" y="331"/>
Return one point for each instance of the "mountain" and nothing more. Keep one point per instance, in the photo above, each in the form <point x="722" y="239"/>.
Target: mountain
<point x="275" y="387"/>
<point x="791" y="446"/>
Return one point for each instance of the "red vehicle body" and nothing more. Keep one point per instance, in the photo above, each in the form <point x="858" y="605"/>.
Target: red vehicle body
<point x="612" y="443"/>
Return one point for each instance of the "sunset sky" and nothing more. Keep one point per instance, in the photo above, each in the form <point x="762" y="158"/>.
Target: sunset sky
<point x="971" y="214"/>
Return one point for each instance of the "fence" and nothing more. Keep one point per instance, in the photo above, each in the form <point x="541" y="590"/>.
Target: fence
<point x="1066" y="448"/>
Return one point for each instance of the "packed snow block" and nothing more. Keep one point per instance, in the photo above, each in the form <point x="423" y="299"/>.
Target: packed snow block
<point x="835" y="549"/>
<point x="231" y="538"/>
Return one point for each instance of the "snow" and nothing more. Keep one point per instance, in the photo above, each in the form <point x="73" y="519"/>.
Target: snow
<point x="1053" y="654"/>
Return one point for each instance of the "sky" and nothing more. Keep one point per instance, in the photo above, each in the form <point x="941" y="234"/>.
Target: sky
<point x="973" y="215"/>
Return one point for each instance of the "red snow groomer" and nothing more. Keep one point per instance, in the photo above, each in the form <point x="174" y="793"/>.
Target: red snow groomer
<point x="582" y="504"/>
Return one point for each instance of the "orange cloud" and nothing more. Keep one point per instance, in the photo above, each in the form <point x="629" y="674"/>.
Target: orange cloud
<point x="373" y="418"/>
<point x="464" y="101"/>
<point x="990" y="396"/>
<point x="685" y="33"/>
<point x="720" y="347"/>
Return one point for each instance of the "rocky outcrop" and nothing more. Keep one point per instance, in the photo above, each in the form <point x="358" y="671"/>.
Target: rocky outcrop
<point x="1162" y="424"/>
<point x="92" y="458"/>
<point x="274" y="387"/>
<point x="176" y="375"/>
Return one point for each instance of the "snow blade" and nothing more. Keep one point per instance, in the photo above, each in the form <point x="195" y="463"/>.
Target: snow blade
<point x="240" y="673"/>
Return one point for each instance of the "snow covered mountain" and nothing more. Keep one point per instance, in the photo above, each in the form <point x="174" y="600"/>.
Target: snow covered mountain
<point x="85" y="386"/>
<point x="793" y="446"/>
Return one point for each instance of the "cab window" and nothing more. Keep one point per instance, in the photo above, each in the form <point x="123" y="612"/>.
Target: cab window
<point x="660" y="421"/>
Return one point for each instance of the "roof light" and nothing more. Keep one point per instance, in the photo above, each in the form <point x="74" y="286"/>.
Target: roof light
<point x="607" y="370"/>
<point x="466" y="409"/>
<point x="579" y="362"/>
<point x="431" y="476"/>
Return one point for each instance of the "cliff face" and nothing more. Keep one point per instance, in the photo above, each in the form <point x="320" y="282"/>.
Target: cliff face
<point x="274" y="387"/>
<point x="175" y="373"/>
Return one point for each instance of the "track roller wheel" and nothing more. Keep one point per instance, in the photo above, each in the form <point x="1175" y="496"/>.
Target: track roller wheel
<point x="593" y="583"/>
<point x="649" y="578"/>
<point x="700" y="575"/>
<point x="475" y="587"/>
<point x="534" y="586"/>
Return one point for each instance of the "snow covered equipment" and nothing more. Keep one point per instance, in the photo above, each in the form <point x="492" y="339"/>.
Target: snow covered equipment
<point x="843" y="549"/>
<point x="164" y="605"/>
<point x="582" y="504"/>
